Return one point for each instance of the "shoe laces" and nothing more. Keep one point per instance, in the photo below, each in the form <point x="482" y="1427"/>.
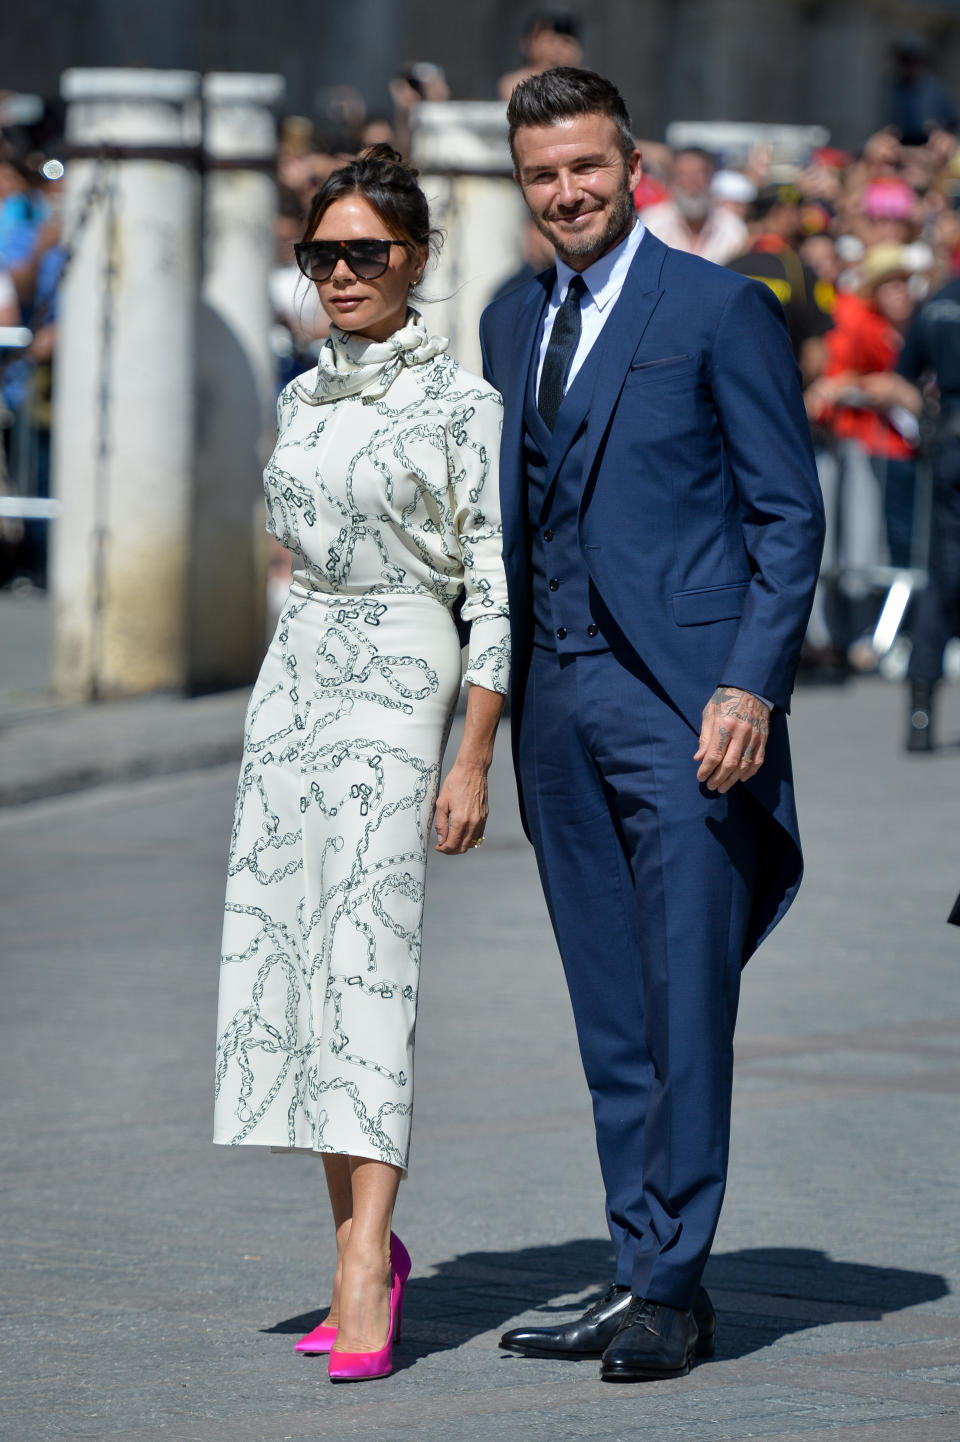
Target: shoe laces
<point x="614" y="1290"/>
<point x="641" y="1313"/>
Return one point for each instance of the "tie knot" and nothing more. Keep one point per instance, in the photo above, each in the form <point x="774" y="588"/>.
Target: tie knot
<point x="576" y="290"/>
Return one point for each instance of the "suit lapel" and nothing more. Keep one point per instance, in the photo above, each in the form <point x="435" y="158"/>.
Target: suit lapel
<point x="620" y="337"/>
<point x="527" y="332"/>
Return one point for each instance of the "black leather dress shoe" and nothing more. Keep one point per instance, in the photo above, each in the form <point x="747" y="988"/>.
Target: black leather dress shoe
<point x="654" y="1340"/>
<point x="706" y="1320"/>
<point x="591" y="1334"/>
<point x="586" y="1337"/>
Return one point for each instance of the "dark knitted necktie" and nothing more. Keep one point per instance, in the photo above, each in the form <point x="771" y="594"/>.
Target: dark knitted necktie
<point x="560" y="352"/>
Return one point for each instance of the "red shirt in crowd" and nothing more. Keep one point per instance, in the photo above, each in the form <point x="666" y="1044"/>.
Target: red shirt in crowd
<point x="863" y="341"/>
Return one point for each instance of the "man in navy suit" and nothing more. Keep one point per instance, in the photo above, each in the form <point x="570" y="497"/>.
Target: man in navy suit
<point x="662" y="535"/>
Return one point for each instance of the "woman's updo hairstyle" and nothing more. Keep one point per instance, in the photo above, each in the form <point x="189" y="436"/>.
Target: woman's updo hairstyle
<point x="389" y="185"/>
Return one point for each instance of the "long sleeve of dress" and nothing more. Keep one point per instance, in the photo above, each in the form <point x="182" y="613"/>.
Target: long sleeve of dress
<point x="473" y="456"/>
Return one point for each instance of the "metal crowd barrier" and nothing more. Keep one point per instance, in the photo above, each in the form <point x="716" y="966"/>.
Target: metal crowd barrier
<point x="18" y="473"/>
<point x="861" y="559"/>
<point x="22" y="471"/>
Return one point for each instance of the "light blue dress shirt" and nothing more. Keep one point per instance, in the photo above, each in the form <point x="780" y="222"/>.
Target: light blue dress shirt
<point x="604" y="281"/>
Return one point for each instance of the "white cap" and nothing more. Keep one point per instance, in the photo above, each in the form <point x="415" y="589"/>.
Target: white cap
<point x="732" y="185"/>
<point x="850" y="249"/>
<point x="918" y="256"/>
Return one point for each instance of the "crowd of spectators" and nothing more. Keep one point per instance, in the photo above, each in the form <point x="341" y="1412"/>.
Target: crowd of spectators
<point x="852" y="243"/>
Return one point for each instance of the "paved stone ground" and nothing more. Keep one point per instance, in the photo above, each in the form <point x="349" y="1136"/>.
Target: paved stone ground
<point x="48" y="748"/>
<point x="155" y="1284"/>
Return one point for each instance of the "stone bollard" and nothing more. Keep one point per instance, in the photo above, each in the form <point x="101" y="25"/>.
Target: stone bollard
<point x="461" y="150"/>
<point x="236" y="391"/>
<point x="125" y="382"/>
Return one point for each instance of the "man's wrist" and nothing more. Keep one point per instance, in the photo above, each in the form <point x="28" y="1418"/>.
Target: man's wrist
<point x="729" y="685"/>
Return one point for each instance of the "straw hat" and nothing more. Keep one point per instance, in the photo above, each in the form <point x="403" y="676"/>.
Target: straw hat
<point x="883" y="262"/>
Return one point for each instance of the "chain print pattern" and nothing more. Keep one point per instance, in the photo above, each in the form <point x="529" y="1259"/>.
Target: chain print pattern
<point x="388" y="501"/>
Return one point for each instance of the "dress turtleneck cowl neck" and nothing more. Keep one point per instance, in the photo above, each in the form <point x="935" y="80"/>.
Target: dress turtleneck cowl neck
<point x="355" y="365"/>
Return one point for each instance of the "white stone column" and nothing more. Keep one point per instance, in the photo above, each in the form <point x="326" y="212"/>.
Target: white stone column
<point x="124" y="392"/>
<point x="236" y="372"/>
<point x="466" y="172"/>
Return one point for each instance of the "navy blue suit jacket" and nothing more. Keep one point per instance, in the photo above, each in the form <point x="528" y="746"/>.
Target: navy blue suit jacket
<point x="700" y="521"/>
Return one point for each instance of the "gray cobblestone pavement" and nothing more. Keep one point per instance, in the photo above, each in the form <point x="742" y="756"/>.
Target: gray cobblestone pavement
<point x="154" y="1285"/>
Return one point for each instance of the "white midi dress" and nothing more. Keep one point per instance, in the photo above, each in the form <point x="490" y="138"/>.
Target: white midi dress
<point x="384" y="486"/>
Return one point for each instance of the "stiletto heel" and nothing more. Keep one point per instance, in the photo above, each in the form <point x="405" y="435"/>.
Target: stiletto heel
<point x="317" y="1342"/>
<point x="362" y="1366"/>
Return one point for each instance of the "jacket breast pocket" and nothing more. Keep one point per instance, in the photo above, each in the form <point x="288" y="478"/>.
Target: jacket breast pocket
<point x="709" y="603"/>
<point x="662" y="365"/>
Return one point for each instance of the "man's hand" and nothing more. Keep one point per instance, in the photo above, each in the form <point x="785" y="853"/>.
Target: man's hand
<point x="733" y="738"/>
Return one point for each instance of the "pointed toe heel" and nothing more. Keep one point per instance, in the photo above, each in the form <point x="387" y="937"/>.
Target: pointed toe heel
<point x="364" y="1366"/>
<point x="317" y="1342"/>
<point x="361" y="1366"/>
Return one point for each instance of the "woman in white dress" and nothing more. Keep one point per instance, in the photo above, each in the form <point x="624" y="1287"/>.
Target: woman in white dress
<point x="383" y="485"/>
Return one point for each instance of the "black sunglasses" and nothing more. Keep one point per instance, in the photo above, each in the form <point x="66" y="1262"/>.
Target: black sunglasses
<point x="366" y="258"/>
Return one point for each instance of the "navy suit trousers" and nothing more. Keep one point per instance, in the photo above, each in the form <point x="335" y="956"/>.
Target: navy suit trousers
<point x="648" y="878"/>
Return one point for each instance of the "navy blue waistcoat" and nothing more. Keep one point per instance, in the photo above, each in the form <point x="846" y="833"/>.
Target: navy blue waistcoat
<point x="565" y="604"/>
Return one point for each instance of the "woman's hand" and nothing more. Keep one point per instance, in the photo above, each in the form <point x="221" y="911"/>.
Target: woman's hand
<point x="462" y="804"/>
<point x="462" y="808"/>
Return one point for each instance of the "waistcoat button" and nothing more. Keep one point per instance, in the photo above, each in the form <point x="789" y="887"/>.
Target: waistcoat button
<point x="548" y="535"/>
<point x="553" y="583"/>
<point x="561" y="633"/>
<point x="592" y="629"/>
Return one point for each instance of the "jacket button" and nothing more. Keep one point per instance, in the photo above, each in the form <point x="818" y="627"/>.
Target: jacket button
<point x="553" y="583"/>
<point x="592" y="629"/>
<point x="548" y="535"/>
<point x="561" y="633"/>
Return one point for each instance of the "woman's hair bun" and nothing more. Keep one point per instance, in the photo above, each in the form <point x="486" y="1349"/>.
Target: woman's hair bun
<point x="386" y="155"/>
<point x="389" y="185"/>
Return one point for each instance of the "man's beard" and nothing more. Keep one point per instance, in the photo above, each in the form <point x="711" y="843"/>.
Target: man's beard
<point x="692" y="207"/>
<point x="619" y="220"/>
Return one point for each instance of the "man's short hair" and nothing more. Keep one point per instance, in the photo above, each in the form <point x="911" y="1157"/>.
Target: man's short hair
<point x="561" y="94"/>
<point x="559" y="23"/>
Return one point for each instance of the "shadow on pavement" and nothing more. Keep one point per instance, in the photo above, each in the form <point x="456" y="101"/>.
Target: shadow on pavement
<point x="773" y="1291"/>
<point x="763" y="1293"/>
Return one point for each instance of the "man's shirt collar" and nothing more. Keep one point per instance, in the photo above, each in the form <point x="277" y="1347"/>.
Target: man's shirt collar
<point x="604" y="279"/>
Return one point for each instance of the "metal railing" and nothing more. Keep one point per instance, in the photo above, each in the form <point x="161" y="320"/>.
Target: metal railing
<point x="864" y="559"/>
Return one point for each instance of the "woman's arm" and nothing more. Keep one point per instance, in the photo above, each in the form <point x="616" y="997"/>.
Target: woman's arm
<point x="462" y="804"/>
<point x="473" y="449"/>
